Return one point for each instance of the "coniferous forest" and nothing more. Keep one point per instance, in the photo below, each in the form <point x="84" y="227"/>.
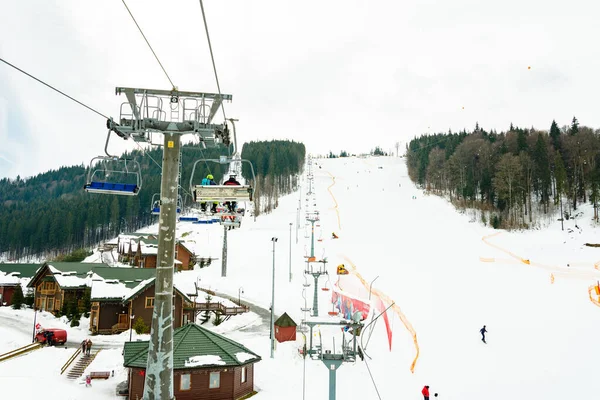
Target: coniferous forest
<point x="50" y="214"/>
<point x="514" y="174"/>
<point x="277" y="164"/>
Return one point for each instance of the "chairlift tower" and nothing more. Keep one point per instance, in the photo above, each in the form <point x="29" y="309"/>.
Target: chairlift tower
<point x="312" y="217"/>
<point x="172" y="113"/>
<point x="332" y="359"/>
<point x="316" y="273"/>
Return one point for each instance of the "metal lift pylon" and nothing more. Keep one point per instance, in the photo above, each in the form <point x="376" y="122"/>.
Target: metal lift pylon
<point x="141" y="116"/>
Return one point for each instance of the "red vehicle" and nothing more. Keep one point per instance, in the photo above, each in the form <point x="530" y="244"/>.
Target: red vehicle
<point x="52" y="336"/>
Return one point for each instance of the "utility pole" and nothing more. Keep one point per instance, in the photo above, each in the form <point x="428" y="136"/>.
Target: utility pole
<point x="140" y="123"/>
<point x="274" y="239"/>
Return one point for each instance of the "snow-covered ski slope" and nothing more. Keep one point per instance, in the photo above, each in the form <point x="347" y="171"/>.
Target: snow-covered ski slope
<point x="432" y="262"/>
<point x="543" y="328"/>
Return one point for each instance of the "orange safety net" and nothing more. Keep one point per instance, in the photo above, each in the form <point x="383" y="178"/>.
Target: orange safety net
<point x="395" y="307"/>
<point x="594" y="292"/>
<point x="334" y="200"/>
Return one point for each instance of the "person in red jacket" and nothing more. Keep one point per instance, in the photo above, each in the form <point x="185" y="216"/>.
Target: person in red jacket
<point x="425" y="392"/>
<point x="231" y="205"/>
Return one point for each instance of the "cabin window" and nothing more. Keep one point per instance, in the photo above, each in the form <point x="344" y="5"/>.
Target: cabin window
<point x="149" y="302"/>
<point x="185" y="383"/>
<point x="243" y="374"/>
<point x="50" y="304"/>
<point x="48" y="285"/>
<point x="215" y="380"/>
<point x="57" y="304"/>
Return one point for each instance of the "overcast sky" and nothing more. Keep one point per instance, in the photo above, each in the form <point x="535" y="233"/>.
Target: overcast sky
<point x="335" y="75"/>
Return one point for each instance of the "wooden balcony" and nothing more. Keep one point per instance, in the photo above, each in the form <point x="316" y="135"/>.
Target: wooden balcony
<point x="47" y="291"/>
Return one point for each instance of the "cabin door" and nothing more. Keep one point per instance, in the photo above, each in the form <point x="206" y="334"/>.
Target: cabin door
<point x="123" y="319"/>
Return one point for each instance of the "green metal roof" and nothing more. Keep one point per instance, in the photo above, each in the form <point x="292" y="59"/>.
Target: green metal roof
<point x="24" y="270"/>
<point x="285" y="321"/>
<point x="131" y="277"/>
<point x="192" y="340"/>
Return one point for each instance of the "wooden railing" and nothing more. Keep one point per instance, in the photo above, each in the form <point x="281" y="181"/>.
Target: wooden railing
<point x="70" y="360"/>
<point x="220" y="307"/>
<point x="121" y="326"/>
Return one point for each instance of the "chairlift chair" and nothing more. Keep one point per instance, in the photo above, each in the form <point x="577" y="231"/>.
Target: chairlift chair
<point x="95" y="184"/>
<point x="155" y="209"/>
<point x="222" y="193"/>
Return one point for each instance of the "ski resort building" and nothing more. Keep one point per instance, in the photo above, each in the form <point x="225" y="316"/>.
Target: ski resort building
<point x="12" y="275"/>
<point x="206" y="366"/>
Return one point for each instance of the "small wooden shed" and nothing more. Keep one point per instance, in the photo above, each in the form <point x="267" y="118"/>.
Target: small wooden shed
<point x="285" y="328"/>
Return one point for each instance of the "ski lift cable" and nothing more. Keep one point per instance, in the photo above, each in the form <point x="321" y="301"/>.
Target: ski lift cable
<point x="148" y="43"/>
<point x="211" y="55"/>
<point x="372" y="379"/>
<point x="53" y="88"/>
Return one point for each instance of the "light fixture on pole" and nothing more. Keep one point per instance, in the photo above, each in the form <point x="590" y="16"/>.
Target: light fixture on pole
<point x="131" y="317"/>
<point x="240" y="290"/>
<point x="274" y="240"/>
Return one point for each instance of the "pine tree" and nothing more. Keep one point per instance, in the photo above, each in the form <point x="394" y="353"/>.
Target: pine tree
<point x="17" y="298"/>
<point x="574" y="127"/>
<point x="555" y="135"/>
<point x="206" y="314"/>
<point x="542" y="168"/>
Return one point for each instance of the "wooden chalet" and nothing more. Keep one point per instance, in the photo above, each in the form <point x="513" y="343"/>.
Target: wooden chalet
<point x="141" y="251"/>
<point x="57" y="282"/>
<point x="12" y="275"/>
<point x="206" y="366"/>
<point x="130" y="291"/>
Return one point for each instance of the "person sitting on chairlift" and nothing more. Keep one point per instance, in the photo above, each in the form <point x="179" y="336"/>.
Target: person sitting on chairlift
<point x="231" y="205"/>
<point x="208" y="181"/>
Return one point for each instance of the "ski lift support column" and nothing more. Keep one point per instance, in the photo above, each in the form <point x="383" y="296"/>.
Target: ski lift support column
<point x="333" y="360"/>
<point x="316" y="274"/>
<point x="312" y="217"/>
<point x="138" y="124"/>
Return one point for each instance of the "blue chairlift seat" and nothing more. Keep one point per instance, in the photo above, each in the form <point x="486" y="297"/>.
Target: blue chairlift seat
<point x="156" y="210"/>
<point x="188" y="219"/>
<point x="128" y="189"/>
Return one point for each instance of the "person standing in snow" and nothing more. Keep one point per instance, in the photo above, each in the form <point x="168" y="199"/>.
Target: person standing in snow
<point x="83" y="346"/>
<point x="483" y="332"/>
<point x="88" y="381"/>
<point x="425" y="392"/>
<point x="88" y="346"/>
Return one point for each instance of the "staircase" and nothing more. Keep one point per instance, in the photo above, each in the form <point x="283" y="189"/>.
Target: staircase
<point x="77" y="370"/>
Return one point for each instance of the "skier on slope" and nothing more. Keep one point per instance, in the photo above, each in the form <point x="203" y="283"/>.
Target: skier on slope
<point x="425" y="392"/>
<point x="483" y="332"/>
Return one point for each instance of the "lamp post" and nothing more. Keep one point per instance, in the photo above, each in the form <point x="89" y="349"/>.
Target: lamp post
<point x="274" y="240"/>
<point x="290" y="267"/>
<point x="131" y="317"/>
<point x="240" y="290"/>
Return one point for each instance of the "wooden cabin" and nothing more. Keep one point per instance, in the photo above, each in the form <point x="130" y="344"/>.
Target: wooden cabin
<point x="129" y="292"/>
<point x="54" y="283"/>
<point x="142" y="252"/>
<point x="206" y="366"/>
<point x="12" y="275"/>
<point x="285" y="329"/>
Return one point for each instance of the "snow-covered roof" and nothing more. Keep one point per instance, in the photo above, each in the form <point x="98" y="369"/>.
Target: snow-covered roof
<point x="148" y="249"/>
<point x="197" y="361"/>
<point x="9" y="279"/>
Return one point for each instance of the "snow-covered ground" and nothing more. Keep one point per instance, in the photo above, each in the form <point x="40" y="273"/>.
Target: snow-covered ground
<point x="446" y="275"/>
